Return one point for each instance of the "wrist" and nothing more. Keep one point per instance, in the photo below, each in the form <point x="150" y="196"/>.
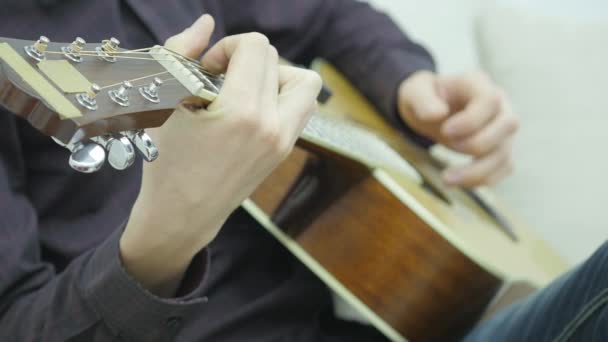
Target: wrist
<point x="158" y="253"/>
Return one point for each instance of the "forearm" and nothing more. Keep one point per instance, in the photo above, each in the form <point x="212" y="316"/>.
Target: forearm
<point x="158" y="267"/>
<point x="155" y="259"/>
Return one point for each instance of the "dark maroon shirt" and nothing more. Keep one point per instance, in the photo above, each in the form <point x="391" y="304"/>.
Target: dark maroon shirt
<point x="61" y="277"/>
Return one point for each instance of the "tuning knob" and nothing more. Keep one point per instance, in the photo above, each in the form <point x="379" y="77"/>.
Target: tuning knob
<point x="72" y="51"/>
<point x="144" y="144"/>
<point x="107" y="50"/>
<point x="38" y="49"/>
<point x="121" y="153"/>
<point x="87" y="158"/>
<point x="121" y="95"/>
<point x="87" y="100"/>
<point x="150" y="92"/>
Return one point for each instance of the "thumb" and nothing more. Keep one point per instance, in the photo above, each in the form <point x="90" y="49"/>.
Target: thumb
<point x="423" y="94"/>
<point x="193" y="40"/>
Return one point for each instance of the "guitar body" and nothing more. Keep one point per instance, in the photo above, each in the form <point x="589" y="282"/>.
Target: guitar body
<point x="418" y="264"/>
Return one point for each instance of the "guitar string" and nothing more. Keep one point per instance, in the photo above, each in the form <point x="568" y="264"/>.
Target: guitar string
<point x="192" y="62"/>
<point x="186" y="59"/>
<point x="122" y="57"/>
<point x="147" y="49"/>
<point x="136" y="79"/>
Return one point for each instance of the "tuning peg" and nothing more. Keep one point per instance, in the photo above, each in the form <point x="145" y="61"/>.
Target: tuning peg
<point x="38" y="49"/>
<point x="108" y="49"/>
<point x="150" y="92"/>
<point x="72" y="51"/>
<point x="144" y="144"/>
<point x="121" y="95"/>
<point x="87" y="158"/>
<point x="121" y="154"/>
<point x="87" y="100"/>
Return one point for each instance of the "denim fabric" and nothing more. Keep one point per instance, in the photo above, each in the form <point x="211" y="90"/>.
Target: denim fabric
<point x="572" y="308"/>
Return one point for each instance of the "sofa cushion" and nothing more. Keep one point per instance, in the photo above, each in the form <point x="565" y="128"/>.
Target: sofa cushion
<point x="556" y="72"/>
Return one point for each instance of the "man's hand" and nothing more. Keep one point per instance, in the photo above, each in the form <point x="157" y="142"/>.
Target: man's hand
<point x="468" y="114"/>
<point x="213" y="158"/>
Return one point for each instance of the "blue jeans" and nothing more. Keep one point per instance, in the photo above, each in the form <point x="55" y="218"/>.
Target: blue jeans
<point x="573" y="308"/>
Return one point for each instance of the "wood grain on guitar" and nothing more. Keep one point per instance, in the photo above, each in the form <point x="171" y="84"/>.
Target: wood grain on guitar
<point x="359" y="204"/>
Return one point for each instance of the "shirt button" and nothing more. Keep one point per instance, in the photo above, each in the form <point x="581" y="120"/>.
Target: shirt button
<point x="174" y="322"/>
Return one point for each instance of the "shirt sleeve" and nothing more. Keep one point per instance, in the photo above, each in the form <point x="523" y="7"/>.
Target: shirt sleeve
<point x="364" y="44"/>
<point x="93" y="299"/>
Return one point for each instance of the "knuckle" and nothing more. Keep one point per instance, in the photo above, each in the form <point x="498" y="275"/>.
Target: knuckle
<point x="494" y="98"/>
<point x="258" y="38"/>
<point x="466" y="124"/>
<point x="312" y="78"/>
<point x="273" y="52"/>
<point x="270" y="136"/>
<point x="474" y="179"/>
<point x="250" y="123"/>
<point x="477" y="147"/>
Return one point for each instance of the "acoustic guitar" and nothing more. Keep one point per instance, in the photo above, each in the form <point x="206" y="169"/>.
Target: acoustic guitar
<point x="356" y="202"/>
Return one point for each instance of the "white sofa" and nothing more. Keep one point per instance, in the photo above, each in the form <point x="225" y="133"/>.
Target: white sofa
<point x="552" y="58"/>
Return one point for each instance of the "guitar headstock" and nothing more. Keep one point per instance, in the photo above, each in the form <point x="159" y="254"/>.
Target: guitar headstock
<point x="97" y="99"/>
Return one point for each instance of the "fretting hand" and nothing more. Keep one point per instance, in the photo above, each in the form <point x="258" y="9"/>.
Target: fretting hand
<point x="214" y="158"/>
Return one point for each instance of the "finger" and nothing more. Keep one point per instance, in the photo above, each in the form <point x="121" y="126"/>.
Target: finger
<point x="422" y="95"/>
<point x="478" y="113"/>
<point x="505" y="170"/>
<point x="216" y="60"/>
<point x="480" y="171"/>
<point x="193" y="40"/>
<point x="243" y="58"/>
<point x="462" y="88"/>
<point x="298" y="92"/>
<point x="500" y="129"/>
<point x="270" y="89"/>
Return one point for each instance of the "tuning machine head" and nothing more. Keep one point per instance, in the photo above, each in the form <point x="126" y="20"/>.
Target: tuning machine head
<point x="87" y="158"/>
<point x="144" y="144"/>
<point x="107" y="50"/>
<point x="121" y="153"/>
<point x="121" y="95"/>
<point x="38" y="49"/>
<point x="87" y="100"/>
<point x="150" y="92"/>
<point x="72" y="51"/>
